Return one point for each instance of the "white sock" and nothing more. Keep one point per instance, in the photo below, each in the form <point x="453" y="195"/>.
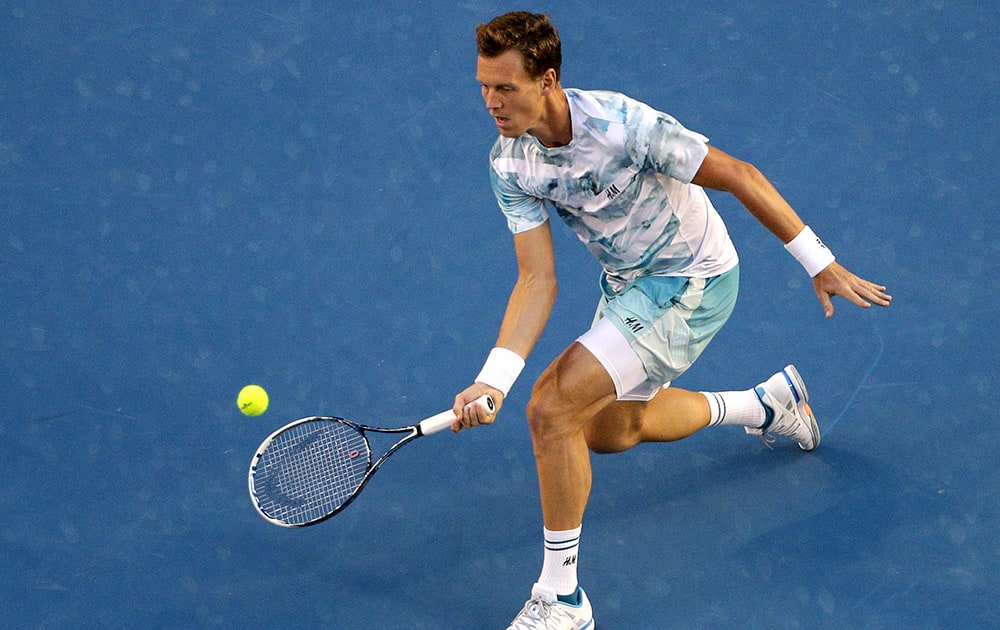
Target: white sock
<point x="559" y="565"/>
<point x="741" y="408"/>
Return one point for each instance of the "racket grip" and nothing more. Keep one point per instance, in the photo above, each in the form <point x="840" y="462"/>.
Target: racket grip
<point x="443" y="420"/>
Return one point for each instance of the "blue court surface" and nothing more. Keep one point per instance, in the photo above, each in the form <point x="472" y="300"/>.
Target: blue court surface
<point x="199" y="195"/>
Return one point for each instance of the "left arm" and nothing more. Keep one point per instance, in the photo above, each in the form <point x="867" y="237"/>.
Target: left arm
<point x="720" y="171"/>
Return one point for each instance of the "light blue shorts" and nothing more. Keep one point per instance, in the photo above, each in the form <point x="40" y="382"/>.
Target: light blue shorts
<point x="653" y="330"/>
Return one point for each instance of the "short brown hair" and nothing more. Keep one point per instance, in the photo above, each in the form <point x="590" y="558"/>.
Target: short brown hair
<point x="530" y="34"/>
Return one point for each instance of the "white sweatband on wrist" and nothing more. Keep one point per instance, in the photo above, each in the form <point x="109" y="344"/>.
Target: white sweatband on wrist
<point x="811" y="253"/>
<point x="501" y="369"/>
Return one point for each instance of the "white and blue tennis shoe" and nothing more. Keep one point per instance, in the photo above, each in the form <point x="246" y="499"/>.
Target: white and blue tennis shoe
<point x="786" y="405"/>
<point x="545" y="611"/>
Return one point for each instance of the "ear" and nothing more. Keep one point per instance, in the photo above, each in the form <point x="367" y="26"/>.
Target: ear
<point x="549" y="80"/>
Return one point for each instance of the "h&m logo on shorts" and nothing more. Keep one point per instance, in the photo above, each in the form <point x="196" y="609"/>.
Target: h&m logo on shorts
<point x="633" y="324"/>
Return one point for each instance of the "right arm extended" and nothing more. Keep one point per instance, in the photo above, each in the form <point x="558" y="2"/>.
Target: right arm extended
<point x="527" y="313"/>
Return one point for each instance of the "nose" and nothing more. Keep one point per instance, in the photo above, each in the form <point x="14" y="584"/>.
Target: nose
<point x="490" y="98"/>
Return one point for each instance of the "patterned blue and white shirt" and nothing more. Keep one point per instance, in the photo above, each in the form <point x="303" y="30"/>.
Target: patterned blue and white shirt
<point x="623" y="184"/>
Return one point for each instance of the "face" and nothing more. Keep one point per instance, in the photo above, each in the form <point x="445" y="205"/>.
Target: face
<point x="514" y="99"/>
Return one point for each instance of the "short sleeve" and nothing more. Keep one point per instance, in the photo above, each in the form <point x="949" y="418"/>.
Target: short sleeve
<point x="523" y="211"/>
<point x="664" y="144"/>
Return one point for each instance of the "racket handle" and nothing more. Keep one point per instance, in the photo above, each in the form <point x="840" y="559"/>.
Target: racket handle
<point x="443" y="420"/>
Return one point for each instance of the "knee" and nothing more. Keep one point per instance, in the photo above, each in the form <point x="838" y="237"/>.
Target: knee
<point x="550" y="418"/>
<point x="545" y="421"/>
<point x="609" y="436"/>
<point x="602" y="444"/>
<point x="549" y="422"/>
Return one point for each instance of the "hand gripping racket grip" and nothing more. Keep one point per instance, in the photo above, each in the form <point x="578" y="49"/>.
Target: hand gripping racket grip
<point x="444" y="419"/>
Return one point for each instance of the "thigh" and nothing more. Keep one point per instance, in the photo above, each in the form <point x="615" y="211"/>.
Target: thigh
<point x="574" y="387"/>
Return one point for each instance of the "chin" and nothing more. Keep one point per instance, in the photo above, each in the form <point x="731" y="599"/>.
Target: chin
<point x="509" y="131"/>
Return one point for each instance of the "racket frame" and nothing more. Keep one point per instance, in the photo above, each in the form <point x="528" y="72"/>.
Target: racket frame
<point x="428" y="426"/>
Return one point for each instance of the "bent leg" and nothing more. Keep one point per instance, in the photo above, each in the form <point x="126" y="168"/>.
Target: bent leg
<point x="673" y="414"/>
<point x="568" y="395"/>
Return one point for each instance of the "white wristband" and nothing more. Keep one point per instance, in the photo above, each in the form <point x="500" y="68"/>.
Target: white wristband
<point x="811" y="253"/>
<point x="501" y="369"/>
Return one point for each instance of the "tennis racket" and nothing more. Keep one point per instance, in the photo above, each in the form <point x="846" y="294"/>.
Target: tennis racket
<point x="312" y="468"/>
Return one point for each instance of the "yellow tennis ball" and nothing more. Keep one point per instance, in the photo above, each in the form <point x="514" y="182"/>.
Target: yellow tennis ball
<point x="252" y="400"/>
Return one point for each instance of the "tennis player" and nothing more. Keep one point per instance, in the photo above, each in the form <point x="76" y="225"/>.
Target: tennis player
<point x="629" y="180"/>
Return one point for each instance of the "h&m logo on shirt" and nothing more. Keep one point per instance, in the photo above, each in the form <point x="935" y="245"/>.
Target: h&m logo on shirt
<point x="617" y="187"/>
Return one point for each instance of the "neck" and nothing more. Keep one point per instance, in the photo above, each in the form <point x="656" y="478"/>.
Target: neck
<point x="556" y="128"/>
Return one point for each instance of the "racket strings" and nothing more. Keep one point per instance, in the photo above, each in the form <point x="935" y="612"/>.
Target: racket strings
<point x="311" y="470"/>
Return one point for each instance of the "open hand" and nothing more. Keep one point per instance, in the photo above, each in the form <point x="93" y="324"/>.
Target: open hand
<point x="836" y="280"/>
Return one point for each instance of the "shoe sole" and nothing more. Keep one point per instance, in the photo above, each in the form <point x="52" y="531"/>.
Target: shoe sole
<point x="801" y="394"/>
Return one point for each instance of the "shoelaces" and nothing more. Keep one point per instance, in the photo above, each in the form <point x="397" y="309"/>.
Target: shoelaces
<point x="534" y="611"/>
